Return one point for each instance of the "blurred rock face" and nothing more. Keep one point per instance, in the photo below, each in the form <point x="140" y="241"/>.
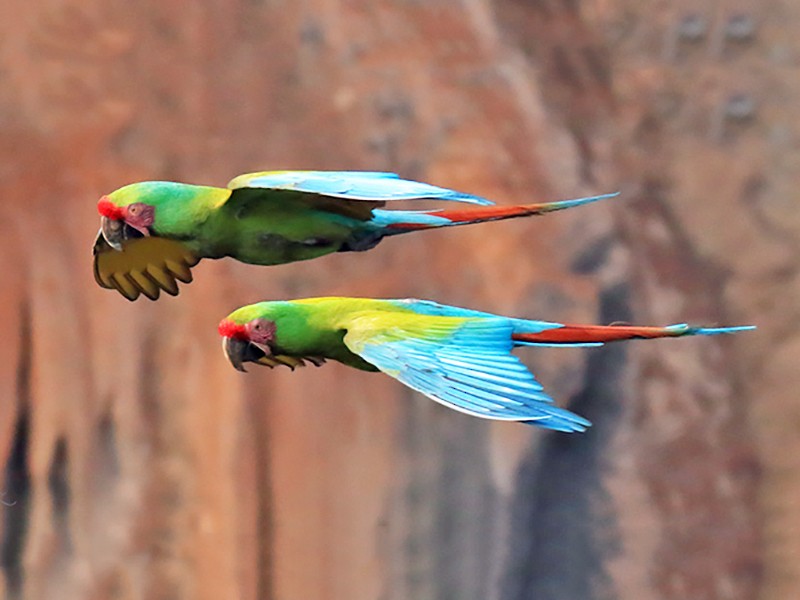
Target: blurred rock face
<point x="139" y="465"/>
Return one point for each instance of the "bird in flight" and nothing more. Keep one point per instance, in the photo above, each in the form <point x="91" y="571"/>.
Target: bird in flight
<point x="152" y="233"/>
<point x="459" y="357"/>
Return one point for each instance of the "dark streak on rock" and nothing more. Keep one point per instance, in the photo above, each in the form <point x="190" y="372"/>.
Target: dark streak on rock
<point x="597" y="62"/>
<point x="58" y="485"/>
<point x="108" y="455"/>
<point x="564" y="68"/>
<point x="593" y="256"/>
<point x="563" y="529"/>
<point x="265" y="527"/>
<point x="17" y="474"/>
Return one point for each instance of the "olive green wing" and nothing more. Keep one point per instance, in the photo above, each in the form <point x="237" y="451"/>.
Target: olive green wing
<point x="145" y="265"/>
<point x="350" y="193"/>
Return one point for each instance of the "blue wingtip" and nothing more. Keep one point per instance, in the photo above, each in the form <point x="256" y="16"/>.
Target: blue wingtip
<point x="565" y="422"/>
<point x="461" y="196"/>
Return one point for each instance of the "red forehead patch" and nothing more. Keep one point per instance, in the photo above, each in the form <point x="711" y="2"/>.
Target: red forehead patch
<point x="229" y="329"/>
<point x="110" y="210"/>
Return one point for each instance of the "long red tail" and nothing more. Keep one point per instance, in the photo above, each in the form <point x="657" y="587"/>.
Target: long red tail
<point x="482" y="214"/>
<point x="580" y="334"/>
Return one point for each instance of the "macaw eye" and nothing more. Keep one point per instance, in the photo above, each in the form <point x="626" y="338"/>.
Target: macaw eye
<point x="134" y="209"/>
<point x="261" y="330"/>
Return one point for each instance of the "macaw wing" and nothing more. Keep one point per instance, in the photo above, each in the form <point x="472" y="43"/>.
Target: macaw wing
<point x="467" y="367"/>
<point x="351" y="185"/>
<point x="145" y="265"/>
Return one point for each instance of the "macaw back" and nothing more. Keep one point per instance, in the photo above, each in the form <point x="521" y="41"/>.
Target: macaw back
<point x="271" y="227"/>
<point x="327" y="320"/>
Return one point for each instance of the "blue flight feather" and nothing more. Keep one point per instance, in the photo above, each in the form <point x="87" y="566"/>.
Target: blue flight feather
<point x="472" y="371"/>
<point x="354" y="185"/>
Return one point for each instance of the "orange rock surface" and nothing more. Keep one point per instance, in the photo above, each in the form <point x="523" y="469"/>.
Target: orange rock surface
<point x="139" y="465"/>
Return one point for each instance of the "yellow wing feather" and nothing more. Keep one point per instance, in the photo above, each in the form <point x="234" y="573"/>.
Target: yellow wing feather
<point x="144" y="266"/>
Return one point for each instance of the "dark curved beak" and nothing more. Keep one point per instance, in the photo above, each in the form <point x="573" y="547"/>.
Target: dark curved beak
<point x="241" y="351"/>
<point x="113" y="232"/>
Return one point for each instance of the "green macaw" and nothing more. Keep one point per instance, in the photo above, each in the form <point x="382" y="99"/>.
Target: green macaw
<point x="152" y="233"/>
<point x="458" y="357"/>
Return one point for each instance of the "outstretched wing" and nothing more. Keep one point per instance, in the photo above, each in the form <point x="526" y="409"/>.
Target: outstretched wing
<point x="351" y="185"/>
<point x="462" y="363"/>
<point x="145" y="265"/>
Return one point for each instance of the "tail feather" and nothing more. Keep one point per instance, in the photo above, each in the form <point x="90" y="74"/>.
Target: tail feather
<point x="591" y="334"/>
<point x="402" y="221"/>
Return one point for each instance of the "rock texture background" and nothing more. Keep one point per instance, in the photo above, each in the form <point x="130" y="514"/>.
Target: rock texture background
<point x="138" y="465"/>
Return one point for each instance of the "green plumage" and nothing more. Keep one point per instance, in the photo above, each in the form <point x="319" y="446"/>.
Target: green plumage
<point x="317" y="326"/>
<point x="267" y="218"/>
<point x="264" y="227"/>
<point x="459" y="357"/>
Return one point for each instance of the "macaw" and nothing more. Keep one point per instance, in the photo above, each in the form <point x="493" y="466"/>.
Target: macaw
<point x="458" y="357"/>
<point x="152" y="233"/>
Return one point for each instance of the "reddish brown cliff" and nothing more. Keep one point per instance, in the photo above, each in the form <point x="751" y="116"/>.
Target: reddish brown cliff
<point x="139" y="465"/>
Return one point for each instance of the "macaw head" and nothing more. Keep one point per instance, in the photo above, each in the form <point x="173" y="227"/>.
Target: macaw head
<point x="267" y="334"/>
<point x="247" y="339"/>
<point x="130" y="211"/>
<point x="155" y="207"/>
